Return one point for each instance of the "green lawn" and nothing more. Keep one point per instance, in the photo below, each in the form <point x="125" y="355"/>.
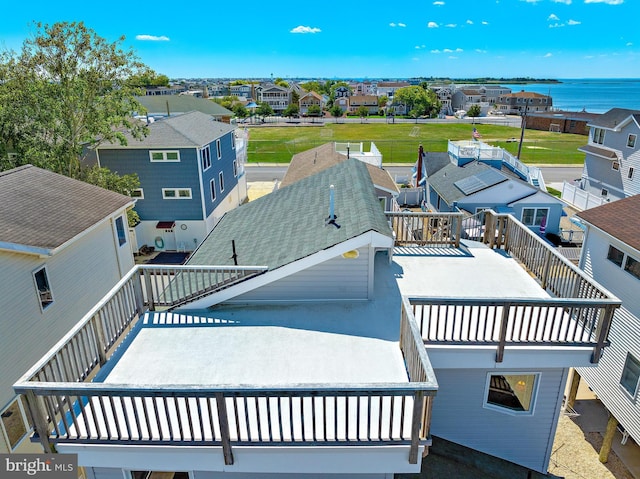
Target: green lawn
<point x="399" y="142"/>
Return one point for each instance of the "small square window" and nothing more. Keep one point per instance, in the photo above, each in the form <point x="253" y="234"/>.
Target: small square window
<point x="42" y="288"/>
<point x="632" y="266"/>
<point x="138" y="193"/>
<point x="630" y="375"/>
<point x="615" y="166"/>
<point x="604" y="192"/>
<point x="615" y="255"/>
<point x="514" y="393"/>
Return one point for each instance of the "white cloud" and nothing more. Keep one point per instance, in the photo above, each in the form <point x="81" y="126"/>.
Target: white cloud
<point x="608" y="2"/>
<point x="484" y="22"/>
<point x="459" y="50"/>
<point x="480" y="51"/>
<point x="152" y="38"/>
<point x="566" y="2"/>
<point x="447" y="50"/>
<point x="629" y="44"/>
<point x="397" y="25"/>
<point x="451" y="25"/>
<point x="392" y="24"/>
<point x="401" y="25"/>
<point x="420" y="47"/>
<point x="556" y="25"/>
<point x="439" y="4"/>
<point x="573" y="22"/>
<point x="530" y="1"/>
<point x="303" y="29"/>
<point x="436" y="51"/>
<point x="553" y="16"/>
<point x="469" y="22"/>
<point x="548" y="55"/>
<point x="432" y="25"/>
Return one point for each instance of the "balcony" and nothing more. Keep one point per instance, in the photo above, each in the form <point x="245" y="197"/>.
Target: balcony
<point x="135" y="372"/>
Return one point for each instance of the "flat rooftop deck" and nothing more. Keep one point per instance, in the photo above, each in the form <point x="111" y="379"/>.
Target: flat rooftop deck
<point x="336" y="342"/>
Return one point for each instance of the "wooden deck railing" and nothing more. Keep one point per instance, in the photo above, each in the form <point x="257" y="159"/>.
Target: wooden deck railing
<point x="425" y="229"/>
<point x="66" y="407"/>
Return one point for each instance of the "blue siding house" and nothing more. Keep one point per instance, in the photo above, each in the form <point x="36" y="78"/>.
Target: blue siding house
<point x="189" y="177"/>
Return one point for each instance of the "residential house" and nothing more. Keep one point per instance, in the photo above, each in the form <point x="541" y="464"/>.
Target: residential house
<point x="611" y="161"/>
<point x="164" y="106"/>
<point x="523" y="102"/>
<point x="63" y="245"/>
<point x="478" y="177"/>
<point x="165" y="91"/>
<point x="611" y="256"/>
<point x="317" y="159"/>
<point x="464" y="99"/>
<point x="316" y="346"/>
<point x="244" y="91"/>
<point x="308" y="99"/>
<point x="370" y="102"/>
<point x="342" y="102"/>
<point x="389" y="88"/>
<point x="189" y="174"/>
<point x="276" y="96"/>
<point x="445" y="95"/>
<point x="342" y="92"/>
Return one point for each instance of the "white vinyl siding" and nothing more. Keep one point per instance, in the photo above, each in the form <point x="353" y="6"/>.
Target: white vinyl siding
<point x="459" y="416"/>
<point x="26" y="334"/>
<point x="337" y="278"/>
<point x="624" y="332"/>
<point x="630" y="375"/>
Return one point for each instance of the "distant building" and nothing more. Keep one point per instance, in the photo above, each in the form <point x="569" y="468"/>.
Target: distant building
<point x="561" y="121"/>
<point x="523" y="101"/>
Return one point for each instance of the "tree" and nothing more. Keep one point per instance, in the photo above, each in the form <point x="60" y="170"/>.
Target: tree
<point x="362" y="112"/>
<point x="336" y="112"/>
<point x="382" y="101"/>
<point x="474" y="111"/>
<point x="148" y="78"/>
<point x="291" y="110"/>
<point x="66" y="91"/>
<point x="240" y="110"/>
<point x="417" y="98"/>
<point x="226" y="101"/>
<point x="314" y="110"/>
<point x="264" y="109"/>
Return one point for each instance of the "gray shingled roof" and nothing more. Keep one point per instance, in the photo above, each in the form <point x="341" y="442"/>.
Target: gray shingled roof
<point x="289" y="224"/>
<point x="618" y="218"/>
<point x="614" y="117"/>
<point x="182" y="103"/>
<point x="188" y="130"/>
<point x="309" y="162"/>
<point x="41" y="210"/>
<point x="443" y="180"/>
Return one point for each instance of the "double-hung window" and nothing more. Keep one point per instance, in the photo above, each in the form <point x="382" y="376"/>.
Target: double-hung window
<point x="631" y="140"/>
<point x="218" y="148"/>
<point x="221" y="179"/>
<point x="212" y="186"/>
<point x="598" y="136"/>
<point x="534" y="216"/>
<point x="205" y="154"/>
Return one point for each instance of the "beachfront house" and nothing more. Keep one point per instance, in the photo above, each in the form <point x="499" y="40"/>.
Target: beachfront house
<point x="611" y="255"/>
<point x="190" y="176"/>
<point x="55" y="233"/>
<point x="312" y="334"/>
<point x="611" y="163"/>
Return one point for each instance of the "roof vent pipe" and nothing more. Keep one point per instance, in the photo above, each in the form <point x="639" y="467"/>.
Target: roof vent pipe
<point x="331" y="220"/>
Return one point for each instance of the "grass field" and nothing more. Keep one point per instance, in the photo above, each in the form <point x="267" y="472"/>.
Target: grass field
<point x="399" y="142"/>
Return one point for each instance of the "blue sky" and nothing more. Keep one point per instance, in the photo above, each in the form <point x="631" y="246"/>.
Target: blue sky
<point x="443" y="38"/>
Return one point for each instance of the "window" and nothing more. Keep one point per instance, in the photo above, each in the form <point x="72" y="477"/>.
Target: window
<point x="138" y="193"/>
<point x="631" y="141"/>
<point x="632" y="266"/>
<point x="42" y="288"/>
<point x="615" y="166"/>
<point x="630" y="375"/>
<point x="534" y="216"/>
<point x="235" y="168"/>
<point x="598" y="136"/>
<point x="15" y="422"/>
<point x="122" y="237"/>
<point x="630" y="174"/>
<point x="221" y="178"/>
<point x="176" y="193"/>
<point x="164" y="156"/>
<point x="604" y="192"/>
<point x="218" y="148"/>
<point x="615" y="255"/>
<point x="233" y="142"/>
<point x="512" y="393"/>
<point x="205" y="153"/>
<point x="212" y="184"/>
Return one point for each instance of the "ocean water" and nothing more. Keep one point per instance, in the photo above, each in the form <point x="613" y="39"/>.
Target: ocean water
<point x="592" y="95"/>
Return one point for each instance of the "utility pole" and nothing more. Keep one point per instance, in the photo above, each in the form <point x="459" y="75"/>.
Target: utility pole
<point x="523" y="126"/>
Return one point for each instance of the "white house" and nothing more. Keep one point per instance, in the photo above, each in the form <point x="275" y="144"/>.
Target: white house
<point x="611" y="161"/>
<point x="314" y="335"/>
<point x="611" y="255"/>
<point x="63" y="245"/>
